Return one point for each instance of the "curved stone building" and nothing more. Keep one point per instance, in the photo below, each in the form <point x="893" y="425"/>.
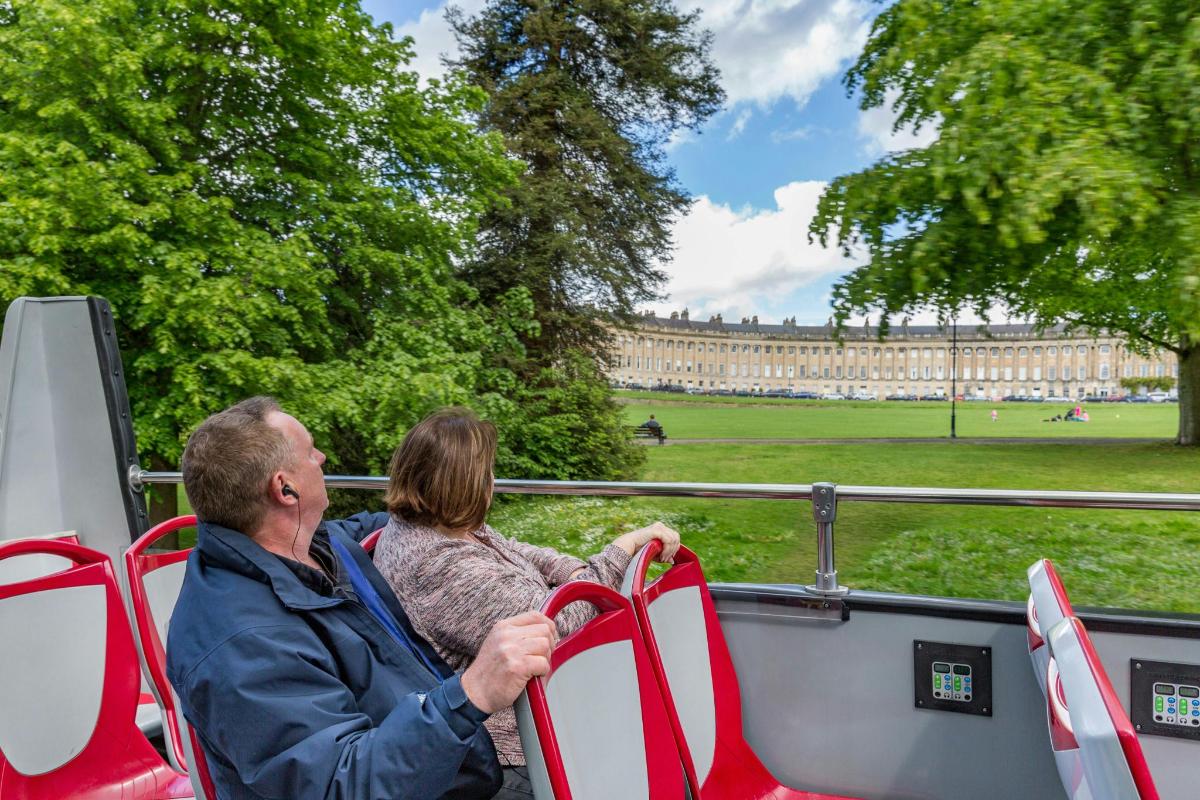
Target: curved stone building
<point x="992" y="361"/>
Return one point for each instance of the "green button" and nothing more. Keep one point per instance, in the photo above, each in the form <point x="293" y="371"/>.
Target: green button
<point x="957" y="684"/>
<point x="1158" y="704"/>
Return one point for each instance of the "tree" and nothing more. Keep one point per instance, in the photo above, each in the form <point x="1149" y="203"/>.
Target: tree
<point x="586" y="93"/>
<point x="1063" y="183"/>
<point x="270" y="203"/>
<point x="1135" y="385"/>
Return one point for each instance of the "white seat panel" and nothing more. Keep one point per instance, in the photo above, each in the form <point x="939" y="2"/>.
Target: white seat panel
<point x="597" y="712"/>
<point x="677" y="618"/>
<point x="1104" y="765"/>
<point x="51" y="675"/>
<point x="162" y="589"/>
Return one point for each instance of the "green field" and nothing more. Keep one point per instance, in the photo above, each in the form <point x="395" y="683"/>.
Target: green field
<point x="1143" y="560"/>
<point x="1129" y="559"/>
<point x="705" y="418"/>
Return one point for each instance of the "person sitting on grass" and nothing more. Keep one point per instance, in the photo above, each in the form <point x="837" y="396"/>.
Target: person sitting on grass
<point x="456" y="577"/>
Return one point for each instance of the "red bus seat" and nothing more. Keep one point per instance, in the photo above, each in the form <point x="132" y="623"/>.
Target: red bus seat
<point x="371" y="539"/>
<point x="595" y="728"/>
<point x="695" y="672"/>
<point x="36" y="565"/>
<point x="69" y="686"/>
<point x="1095" y="746"/>
<point x="154" y="580"/>
<point x="1048" y="605"/>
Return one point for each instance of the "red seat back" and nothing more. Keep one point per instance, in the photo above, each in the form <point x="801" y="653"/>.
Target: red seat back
<point x="692" y="663"/>
<point x="69" y="686"/>
<point x="1107" y="762"/>
<point x="371" y="539"/>
<point x="1048" y="604"/>
<point x="601" y="728"/>
<point x="154" y="579"/>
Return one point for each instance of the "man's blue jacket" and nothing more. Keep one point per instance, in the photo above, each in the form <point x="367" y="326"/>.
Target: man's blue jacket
<point x="296" y="693"/>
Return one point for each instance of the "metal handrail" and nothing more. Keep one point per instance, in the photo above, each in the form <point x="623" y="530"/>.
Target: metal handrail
<point x="1151" y="501"/>
<point x="823" y="496"/>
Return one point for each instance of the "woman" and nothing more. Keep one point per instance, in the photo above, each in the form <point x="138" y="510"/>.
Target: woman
<point x="456" y="577"/>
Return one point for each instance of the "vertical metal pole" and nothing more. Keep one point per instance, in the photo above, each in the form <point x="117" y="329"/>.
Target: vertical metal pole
<point x="953" y="375"/>
<point x="824" y="506"/>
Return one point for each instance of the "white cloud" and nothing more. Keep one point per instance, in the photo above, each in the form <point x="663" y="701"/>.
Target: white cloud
<point x="876" y="126"/>
<point x="746" y="262"/>
<point x="432" y="37"/>
<point x="781" y="135"/>
<point x="739" y="124"/>
<point x="768" y="50"/>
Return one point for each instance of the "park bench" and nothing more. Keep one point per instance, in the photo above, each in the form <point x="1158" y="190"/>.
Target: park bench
<point x="646" y="432"/>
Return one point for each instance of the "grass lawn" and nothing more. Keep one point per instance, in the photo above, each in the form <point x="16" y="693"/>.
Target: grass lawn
<point x="1127" y="559"/>
<point x="1143" y="560"/>
<point x="703" y="418"/>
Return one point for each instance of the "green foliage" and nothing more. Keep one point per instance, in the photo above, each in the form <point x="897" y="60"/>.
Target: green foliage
<point x="1162" y="384"/>
<point x="1064" y="181"/>
<point x="586" y="93"/>
<point x="566" y="425"/>
<point x="269" y="201"/>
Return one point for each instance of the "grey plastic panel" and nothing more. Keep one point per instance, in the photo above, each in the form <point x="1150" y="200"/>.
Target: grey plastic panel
<point x="1174" y="763"/>
<point x="597" y="712"/>
<point x="189" y="753"/>
<point x="61" y="451"/>
<point x="531" y="746"/>
<point x="1104" y="763"/>
<point x="828" y="707"/>
<point x="33" y="565"/>
<point x="162" y="589"/>
<point x="51" y="675"/>
<point x="677" y="618"/>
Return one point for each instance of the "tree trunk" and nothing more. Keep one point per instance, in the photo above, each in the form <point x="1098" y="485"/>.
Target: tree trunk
<point x="164" y="500"/>
<point x="1189" y="394"/>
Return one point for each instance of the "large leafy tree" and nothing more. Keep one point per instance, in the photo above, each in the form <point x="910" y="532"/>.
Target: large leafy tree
<point x="1064" y="181"/>
<point x="586" y="93"/>
<point x="270" y="202"/>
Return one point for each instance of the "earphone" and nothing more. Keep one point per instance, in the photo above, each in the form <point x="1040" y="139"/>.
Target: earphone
<point x="288" y="490"/>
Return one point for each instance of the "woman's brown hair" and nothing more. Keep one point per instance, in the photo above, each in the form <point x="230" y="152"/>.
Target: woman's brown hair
<point x="441" y="474"/>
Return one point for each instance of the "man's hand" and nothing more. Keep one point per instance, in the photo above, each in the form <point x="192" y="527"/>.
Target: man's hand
<point x="515" y="650"/>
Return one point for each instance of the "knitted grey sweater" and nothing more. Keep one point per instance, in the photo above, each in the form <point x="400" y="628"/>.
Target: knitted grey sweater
<point x="455" y="590"/>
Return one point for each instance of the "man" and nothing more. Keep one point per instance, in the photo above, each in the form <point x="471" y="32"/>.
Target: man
<point x="652" y="423"/>
<point x="291" y="657"/>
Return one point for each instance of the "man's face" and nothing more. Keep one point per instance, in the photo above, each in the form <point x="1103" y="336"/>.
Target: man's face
<point x="305" y="471"/>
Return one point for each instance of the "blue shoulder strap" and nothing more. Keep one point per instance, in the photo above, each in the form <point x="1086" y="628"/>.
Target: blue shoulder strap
<point x="374" y="603"/>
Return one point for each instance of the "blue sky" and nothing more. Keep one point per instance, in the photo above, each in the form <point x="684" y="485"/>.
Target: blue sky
<point x="757" y="168"/>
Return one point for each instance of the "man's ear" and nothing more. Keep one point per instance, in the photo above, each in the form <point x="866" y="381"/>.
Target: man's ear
<point x="280" y="488"/>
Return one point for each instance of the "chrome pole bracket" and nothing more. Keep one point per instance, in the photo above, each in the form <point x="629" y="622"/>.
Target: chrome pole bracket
<point x="824" y="508"/>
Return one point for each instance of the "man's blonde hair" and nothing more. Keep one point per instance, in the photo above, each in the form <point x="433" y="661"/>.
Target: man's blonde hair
<point x="228" y="463"/>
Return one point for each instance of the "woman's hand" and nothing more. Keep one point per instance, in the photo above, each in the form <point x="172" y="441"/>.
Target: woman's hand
<point x="634" y="540"/>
